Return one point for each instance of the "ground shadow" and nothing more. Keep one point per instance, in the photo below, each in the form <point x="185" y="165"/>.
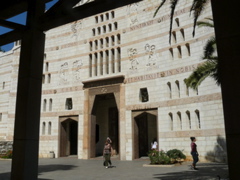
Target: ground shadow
<point x="42" y="169"/>
<point x="206" y="172"/>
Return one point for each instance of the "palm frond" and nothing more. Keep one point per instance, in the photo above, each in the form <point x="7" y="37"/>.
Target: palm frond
<point x="173" y="6"/>
<point x="200" y="74"/>
<point x="162" y="3"/>
<point x="197" y="7"/>
<point x="209" y="48"/>
<point x="205" y="24"/>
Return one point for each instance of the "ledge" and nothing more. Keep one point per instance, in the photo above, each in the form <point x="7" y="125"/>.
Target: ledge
<point x="158" y="165"/>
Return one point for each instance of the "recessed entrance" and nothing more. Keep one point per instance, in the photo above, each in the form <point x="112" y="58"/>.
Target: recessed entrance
<point x="68" y="137"/>
<point x="104" y="123"/>
<point x="145" y="130"/>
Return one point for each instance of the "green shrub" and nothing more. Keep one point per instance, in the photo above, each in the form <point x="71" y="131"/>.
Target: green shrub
<point x="169" y="157"/>
<point x="176" y="155"/>
<point x="8" y="155"/>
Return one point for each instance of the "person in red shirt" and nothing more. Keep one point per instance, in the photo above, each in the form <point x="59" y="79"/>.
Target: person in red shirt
<point x="194" y="152"/>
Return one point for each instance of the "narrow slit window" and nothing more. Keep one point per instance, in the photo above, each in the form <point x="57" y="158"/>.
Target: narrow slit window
<point x="198" y="119"/>
<point x="68" y="104"/>
<point x="170" y="115"/>
<point x="144" y="95"/>
<point x="179" y="52"/>
<point x="179" y="120"/>
<point x="169" y="90"/>
<point x="188" y="119"/>
<point x="44" y="105"/>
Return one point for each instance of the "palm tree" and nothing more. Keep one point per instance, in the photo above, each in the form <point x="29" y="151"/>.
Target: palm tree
<point x="197" y="8"/>
<point x="210" y="67"/>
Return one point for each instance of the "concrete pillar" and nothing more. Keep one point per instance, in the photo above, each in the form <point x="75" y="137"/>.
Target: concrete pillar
<point x="27" y="116"/>
<point x="228" y="37"/>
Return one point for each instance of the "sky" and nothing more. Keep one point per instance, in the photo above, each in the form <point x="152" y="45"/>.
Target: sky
<point x="21" y="19"/>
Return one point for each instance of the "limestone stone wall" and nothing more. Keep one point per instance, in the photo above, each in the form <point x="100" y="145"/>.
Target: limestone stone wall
<point x="128" y="42"/>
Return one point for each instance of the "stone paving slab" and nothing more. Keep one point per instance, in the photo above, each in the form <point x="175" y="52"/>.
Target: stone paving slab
<point x="76" y="169"/>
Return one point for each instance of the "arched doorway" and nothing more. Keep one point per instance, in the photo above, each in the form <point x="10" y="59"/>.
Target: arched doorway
<point x="145" y="130"/>
<point x="68" y="137"/>
<point x="104" y="123"/>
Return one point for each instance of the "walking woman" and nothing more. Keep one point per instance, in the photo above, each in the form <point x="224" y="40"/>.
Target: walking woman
<point x="194" y="153"/>
<point x="107" y="152"/>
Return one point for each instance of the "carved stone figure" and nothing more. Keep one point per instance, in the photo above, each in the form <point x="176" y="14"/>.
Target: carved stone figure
<point x="132" y="52"/>
<point x="132" y="12"/>
<point x="77" y="68"/>
<point x="152" y="57"/>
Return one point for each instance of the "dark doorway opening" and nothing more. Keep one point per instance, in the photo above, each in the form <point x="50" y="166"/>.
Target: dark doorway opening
<point x="68" y="138"/>
<point x="145" y="130"/>
<point x="104" y="123"/>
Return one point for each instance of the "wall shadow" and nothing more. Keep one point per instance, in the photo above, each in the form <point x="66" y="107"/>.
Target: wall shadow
<point x="219" y="153"/>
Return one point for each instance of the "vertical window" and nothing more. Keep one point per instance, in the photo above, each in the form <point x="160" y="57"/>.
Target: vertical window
<point x="96" y="64"/>
<point x="46" y="67"/>
<point x="112" y="14"/>
<point x="177" y="22"/>
<point x="115" y="26"/>
<point x="177" y="88"/>
<point x="50" y="105"/>
<point x="188" y="120"/>
<point x="0" y="117"/>
<point x="171" y="53"/>
<point x="107" y="16"/>
<point x="90" y="46"/>
<point x="99" y="30"/>
<point x="101" y="43"/>
<point x="49" y="128"/>
<point x="68" y="104"/>
<point x="169" y="90"/>
<point x="182" y="34"/>
<point x="188" y="49"/>
<point x="143" y="95"/>
<point x="174" y="37"/>
<point x="44" y="104"/>
<point x="179" y="52"/>
<point x="113" y="42"/>
<point x="170" y="115"/>
<point x="110" y="27"/>
<point x="3" y="85"/>
<point x="107" y="42"/>
<point x="197" y="113"/>
<point x="179" y="116"/>
<point x="43" y="79"/>
<point x="119" y="59"/>
<point x="96" y="44"/>
<point x="96" y="19"/>
<point x="93" y="32"/>
<point x="49" y="78"/>
<point x="113" y="60"/>
<point x="43" y="128"/>
<point x="101" y="18"/>
<point x="107" y="61"/>
<point x="101" y="63"/>
<point x="104" y="29"/>
<point x="118" y="39"/>
<point x="90" y="65"/>
<point x="186" y="88"/>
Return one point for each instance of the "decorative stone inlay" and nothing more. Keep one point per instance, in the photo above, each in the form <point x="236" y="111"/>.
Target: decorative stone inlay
<point x="132" y="53"/>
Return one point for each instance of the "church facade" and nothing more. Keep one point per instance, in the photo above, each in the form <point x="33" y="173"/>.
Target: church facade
<point x="116" y="75"/>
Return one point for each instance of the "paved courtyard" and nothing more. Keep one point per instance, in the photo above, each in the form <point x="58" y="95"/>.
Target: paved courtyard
<point x="75" y="169"/>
